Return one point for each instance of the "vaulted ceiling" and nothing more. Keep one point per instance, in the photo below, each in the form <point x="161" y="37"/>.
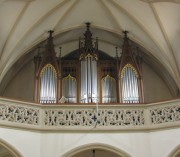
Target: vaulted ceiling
<point x="153" y="24"/>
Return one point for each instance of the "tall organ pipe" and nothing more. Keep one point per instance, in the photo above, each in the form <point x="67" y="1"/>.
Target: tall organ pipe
<point x="130" y="86"/>
<point x="88" y="79"/>
<point x="48" y="85"/>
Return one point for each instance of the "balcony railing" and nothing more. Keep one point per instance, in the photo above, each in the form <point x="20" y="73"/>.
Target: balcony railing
<point x="117" y="117"/>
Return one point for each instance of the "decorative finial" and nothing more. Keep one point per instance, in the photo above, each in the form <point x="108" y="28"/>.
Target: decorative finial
<point x="88" y="25"/>
<point x="60" y="48"/>
<point x="50" y="33"/>
<point x="116" y="51"/>
<point x="96" y="43"/>
<point x="88" y="37"/>
<point x="125" y="33"/>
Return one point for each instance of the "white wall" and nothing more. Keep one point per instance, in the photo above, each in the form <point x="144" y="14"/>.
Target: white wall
<point x="136" y="144"/>
<point x="155" y="89"/>
<point x="164" y="142"/>
<point x="27" y="143"/>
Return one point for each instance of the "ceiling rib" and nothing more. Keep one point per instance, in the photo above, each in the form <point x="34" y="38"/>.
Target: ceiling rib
<point x="111" y="14"/>
<point x="13" y="28"/>
<point x="151" y="37"/>
<point x="32" y="27"/>
<point x="140" y="25"/>
<point x="65" y="14"/>
<point x="177" y="73"/>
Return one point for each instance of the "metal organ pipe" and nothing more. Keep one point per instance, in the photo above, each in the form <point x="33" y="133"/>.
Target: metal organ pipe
<point x="88" y="79"/>
<point x="130" y="85"/>
<point x="48" y="85"/>
<point x="45" y="79"/>
<point x="130" y="92"/>
<point x="108" y="92"/>
<point x="69" y="89"/>
<point x="133" y="85"/>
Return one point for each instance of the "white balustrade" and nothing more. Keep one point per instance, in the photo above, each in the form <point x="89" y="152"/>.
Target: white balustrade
<point x="84" y="117"/>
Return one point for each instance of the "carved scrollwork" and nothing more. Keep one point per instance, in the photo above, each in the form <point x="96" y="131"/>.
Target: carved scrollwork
<point x="19" y="114"/>
<point x="81" y="118"/>
<point x="89" y="117"/>
<point x="165" y="114"/>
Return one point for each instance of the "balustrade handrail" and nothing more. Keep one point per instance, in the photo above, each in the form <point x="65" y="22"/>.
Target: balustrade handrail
<point x="27" y="115"/>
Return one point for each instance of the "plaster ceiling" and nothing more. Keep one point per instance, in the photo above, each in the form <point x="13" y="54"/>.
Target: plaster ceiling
<point x="152" y="24"/>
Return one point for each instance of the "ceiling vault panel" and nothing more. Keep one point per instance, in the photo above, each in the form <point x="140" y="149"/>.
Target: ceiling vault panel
<point x="139" y="24"/>
<point x="14" y="27"/>
<point x="111" y="15"/>
<point x="166" y="39"/>
<point x="66" y="13"/>
<point x="153" y="24"/>
<point x="35" y="24"/>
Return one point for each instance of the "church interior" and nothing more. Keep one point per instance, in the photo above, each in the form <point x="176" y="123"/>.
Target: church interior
<point x="90" y="78"/>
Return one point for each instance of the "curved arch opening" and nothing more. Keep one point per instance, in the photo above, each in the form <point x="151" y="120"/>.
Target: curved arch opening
<point x="175" y="152"/>
<point x="96" y="149"/>
<point x="8" y="150"/>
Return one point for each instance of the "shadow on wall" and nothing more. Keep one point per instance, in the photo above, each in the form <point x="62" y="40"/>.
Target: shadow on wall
<point x="96" y="149"/>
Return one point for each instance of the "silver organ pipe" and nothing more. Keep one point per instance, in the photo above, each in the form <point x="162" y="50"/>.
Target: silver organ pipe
<point x="48" y="83"/>
<point x="47" y="86"/>
<point x="108" y="92"/>
<point x="88" y="79"/>
<point x="132" y="85"/>
<point x="130" y="92"/>
<point x="94" y="80"/>
<point x="41" y="89"/>
<point x="69" y="89"/>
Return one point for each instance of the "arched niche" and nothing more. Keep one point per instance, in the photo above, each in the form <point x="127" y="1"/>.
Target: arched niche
<point x="7" y="150"/>
<point x="100" y="150"/>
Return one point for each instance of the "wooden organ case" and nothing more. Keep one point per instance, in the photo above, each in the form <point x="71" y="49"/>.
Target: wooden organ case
<point x="88" y="75"/>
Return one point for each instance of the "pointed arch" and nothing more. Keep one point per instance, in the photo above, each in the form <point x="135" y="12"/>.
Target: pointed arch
<point x="108" y="89"/>
<point x="69" y="88"/>
<point x="129" y="66"/>
<point x="48" y="84"/>
<point x="10" y="149"/>
<point x="130" y="74"/>
<point x="129" y="84"/>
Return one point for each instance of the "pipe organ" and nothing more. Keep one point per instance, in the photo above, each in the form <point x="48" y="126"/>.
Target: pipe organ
<point x="89" y="86"/>
<point x="69" y="87"/>
<point x="88" y="58"/>
<point x="47" y="75"/>
<point x="48" y="84"/>
<point x="88" y="75"/>
<point x="108" y="90"/>
<point x="130" y="93"/>
<point x="130" y="74"/>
